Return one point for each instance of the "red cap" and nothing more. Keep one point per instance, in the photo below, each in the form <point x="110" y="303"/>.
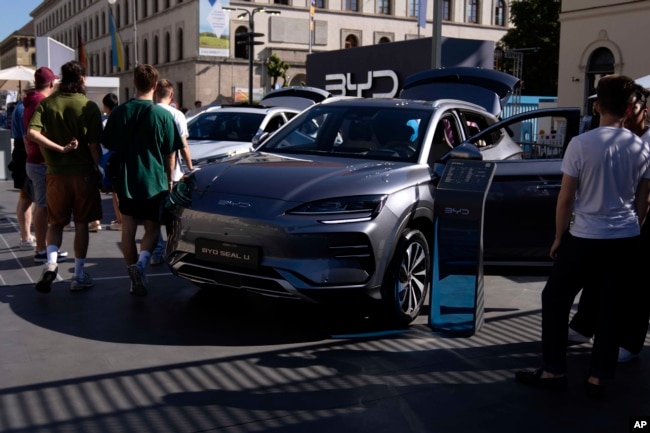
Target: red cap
<point x="44" y="76"/>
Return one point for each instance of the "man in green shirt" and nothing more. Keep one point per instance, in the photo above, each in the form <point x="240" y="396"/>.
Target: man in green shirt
<point x="146" y="139"/>
<point x="68" y="126"/>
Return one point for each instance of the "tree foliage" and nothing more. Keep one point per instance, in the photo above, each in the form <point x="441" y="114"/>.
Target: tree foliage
<point x="537" y="26"/>
<point x="277" y="68"/>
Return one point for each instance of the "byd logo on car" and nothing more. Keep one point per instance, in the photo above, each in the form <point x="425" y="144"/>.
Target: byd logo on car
<point x="233" y="203"/>
<point x="456" y="211"/>
<point x="343" y="83"/>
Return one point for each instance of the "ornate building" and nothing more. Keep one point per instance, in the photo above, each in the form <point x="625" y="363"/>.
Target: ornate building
<point x="598" y="38"/>
<point x="168" y="35"/>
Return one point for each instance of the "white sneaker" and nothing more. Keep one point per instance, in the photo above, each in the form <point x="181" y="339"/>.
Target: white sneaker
<point x="576" y="337"/>
<point x="85" y="282"/>
<point x="29" y="244"/>
<point x="625" y="355"/>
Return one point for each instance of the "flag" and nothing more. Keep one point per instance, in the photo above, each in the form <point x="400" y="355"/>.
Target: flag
<point x="422" y="13"/>
<point x="312" y="11"/>
<point x="83" y="57"/>
<point x="117" y="49"/>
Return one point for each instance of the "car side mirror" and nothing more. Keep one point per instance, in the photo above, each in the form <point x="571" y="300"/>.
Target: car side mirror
<point x="463" y="151"/>
<point x="259" y="138"/>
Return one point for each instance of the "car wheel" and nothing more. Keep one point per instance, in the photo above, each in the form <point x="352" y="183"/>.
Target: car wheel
<point x="408" y="277"/>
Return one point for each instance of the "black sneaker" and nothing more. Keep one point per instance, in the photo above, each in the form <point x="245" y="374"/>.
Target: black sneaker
<point x="138" y="281"/>
<point x="42" y="257"/>
<point x="534" y="378"/>
<point x="44" y="284"/>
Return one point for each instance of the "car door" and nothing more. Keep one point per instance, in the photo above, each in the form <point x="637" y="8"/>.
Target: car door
<point x="519" y="219"/>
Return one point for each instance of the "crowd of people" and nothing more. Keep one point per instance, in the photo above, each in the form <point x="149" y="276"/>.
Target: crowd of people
<point x="600" y="245"/>
<point x="60" y="138"/>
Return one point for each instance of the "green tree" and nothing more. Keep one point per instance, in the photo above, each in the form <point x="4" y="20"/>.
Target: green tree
<point x="277" y="69"/>
<point x="537" y="35"/>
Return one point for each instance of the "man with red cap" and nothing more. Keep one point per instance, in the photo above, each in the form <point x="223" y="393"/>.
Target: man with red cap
<point x="44" y="85"/>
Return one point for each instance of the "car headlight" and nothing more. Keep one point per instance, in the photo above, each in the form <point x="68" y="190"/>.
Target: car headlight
<point x="180" y="197"/>
<point x="343" y="209"/>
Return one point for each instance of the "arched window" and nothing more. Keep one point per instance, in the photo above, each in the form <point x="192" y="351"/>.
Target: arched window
<point x="155" y="50"/>
<point x="167" y="47"/>
<point x="472" y="11"/>
<point x="351" y="41"/>
<point x="145" y="51"/>
<point x="601" y="63"/>
<point x="241" y="50"/>
<point x="384" y="40"/>
<point x="500" y="13"/>
<point x="179" y="42"/>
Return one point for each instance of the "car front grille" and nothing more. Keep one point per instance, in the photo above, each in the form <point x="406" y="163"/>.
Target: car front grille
<point x="265" y="283"/>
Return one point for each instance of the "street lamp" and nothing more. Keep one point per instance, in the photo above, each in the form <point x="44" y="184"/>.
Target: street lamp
<point x="135" y="30"/>
<point x="251" y="42"/>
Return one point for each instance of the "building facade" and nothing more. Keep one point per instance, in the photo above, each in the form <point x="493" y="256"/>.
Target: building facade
<point x="18" y="49"/>
<point x="597" y="38"/>
<point x="167" y="34"/>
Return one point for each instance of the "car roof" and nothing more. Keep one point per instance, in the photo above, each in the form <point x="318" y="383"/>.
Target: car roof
<point x="485" y="87"/>
<point x="250" y="109"/>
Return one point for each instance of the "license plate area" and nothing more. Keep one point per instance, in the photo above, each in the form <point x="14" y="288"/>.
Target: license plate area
<point x="242" y="256"/>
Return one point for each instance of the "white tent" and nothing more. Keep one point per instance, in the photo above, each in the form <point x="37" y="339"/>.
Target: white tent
<point x="644" y="81"/>
<point x="16" y="74"/>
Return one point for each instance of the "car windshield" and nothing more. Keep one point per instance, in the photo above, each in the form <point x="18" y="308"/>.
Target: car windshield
<point x="370" y="132"/>
<point x="224" y="126"/>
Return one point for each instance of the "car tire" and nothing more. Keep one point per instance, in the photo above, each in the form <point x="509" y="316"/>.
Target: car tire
<point x="408" y="277"/>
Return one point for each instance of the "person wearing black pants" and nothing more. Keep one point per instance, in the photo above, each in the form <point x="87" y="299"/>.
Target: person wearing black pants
<point x="602" y="202"/>
<point x="635" y="321"/>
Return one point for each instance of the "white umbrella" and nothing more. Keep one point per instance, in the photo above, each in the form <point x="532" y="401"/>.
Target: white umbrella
<point x="16" y="73"/>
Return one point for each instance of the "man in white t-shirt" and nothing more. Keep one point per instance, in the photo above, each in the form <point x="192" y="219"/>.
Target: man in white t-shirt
<point x="633" y="335"/>
<point x="603" y="200"/>
<point x="164" y="97"/>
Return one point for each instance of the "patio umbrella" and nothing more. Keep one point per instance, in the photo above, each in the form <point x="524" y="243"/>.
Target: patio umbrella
<point x="16" y="73"/>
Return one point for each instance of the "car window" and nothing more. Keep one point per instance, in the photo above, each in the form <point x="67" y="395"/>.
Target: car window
<point x="393" y="133"/>
<point x="541" y="134"/>
<point x="224" y="126"/>
<point x="446" y="137"/>
<point x="275" y="122"/>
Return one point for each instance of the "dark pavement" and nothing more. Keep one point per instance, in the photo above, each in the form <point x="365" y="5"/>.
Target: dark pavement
<point x="187" y="360"/>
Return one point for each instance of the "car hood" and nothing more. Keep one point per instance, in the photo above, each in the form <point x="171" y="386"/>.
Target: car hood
<point x="203" y="149"/>
<point x="302" y="178"/>
<point x="485" y="87"/>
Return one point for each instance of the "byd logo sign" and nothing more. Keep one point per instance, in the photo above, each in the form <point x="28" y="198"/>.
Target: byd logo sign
<point x="343" y="84"/>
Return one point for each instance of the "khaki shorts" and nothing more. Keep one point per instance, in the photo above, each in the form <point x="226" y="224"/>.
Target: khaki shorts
<point x="76" y="195"/>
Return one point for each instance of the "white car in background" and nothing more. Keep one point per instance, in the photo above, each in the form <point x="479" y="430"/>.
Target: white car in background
<point x="221" y="131"/>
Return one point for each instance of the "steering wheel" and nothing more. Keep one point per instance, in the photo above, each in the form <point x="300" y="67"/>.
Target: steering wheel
<point x="403" y="150"/>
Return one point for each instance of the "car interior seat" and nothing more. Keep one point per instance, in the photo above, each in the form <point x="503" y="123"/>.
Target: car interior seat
<point x="441" y="140"/>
